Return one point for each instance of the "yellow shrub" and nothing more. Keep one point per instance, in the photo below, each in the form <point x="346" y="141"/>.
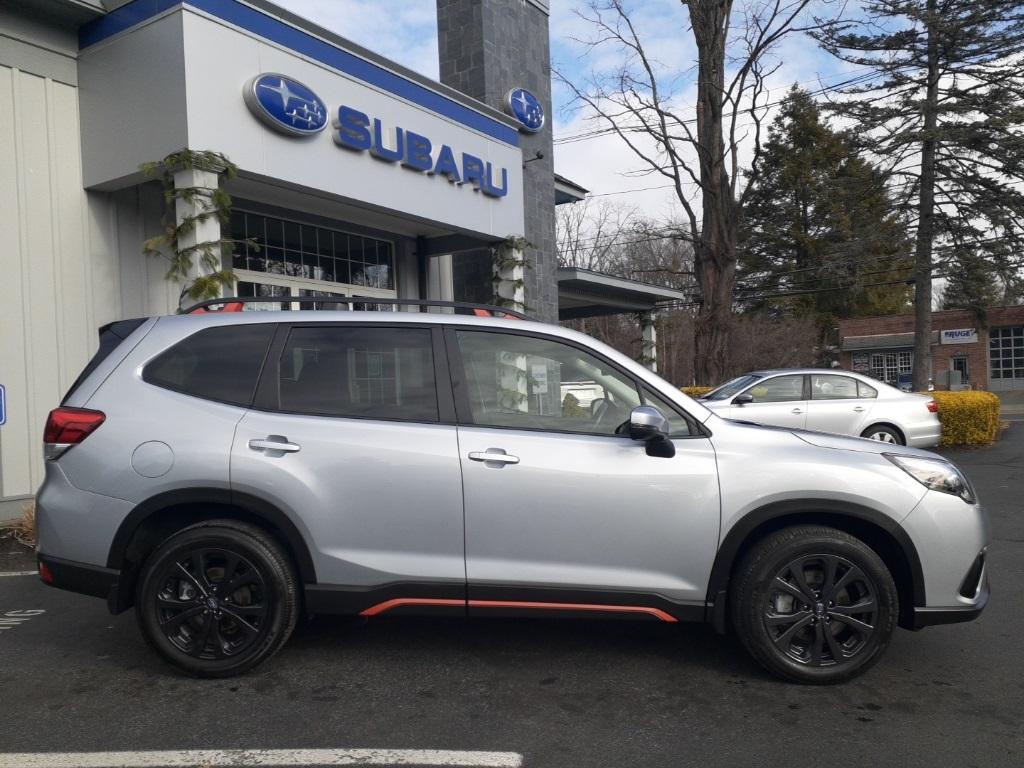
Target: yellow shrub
<point x="968" y="418"/>
<point x="696" y="391"/>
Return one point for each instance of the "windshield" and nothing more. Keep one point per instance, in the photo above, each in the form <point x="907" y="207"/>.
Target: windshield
<point x="731" y="388"/>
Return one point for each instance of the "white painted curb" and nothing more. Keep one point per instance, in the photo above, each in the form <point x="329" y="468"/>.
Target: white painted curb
<point x="262" y="757"/>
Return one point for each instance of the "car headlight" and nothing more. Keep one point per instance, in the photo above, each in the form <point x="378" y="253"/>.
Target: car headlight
<point x="937" y="474"/>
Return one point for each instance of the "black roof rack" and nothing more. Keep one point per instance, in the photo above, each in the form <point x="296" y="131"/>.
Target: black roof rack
<point x="236" y="303"/>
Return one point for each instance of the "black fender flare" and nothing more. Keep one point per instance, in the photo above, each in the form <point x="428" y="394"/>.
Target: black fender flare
<point x="795" y="512"/>
<point x="251" y="505"/>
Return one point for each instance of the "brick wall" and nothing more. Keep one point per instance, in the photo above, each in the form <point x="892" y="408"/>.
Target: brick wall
<point x="977" y="353"/>
<point x="487" y="47"/>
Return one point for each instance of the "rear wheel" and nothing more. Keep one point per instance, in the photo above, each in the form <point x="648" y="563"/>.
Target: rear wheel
<point x="883" y="434"/>
<point x="814" y="604"/>
<point x="217" y="598"/>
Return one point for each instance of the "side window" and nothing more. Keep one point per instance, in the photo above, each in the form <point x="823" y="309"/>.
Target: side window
<point x="530" y="383"/>
<point x="372" y="373"/>
<point x="866" y="391"/>
<point x="780" y="389"/>
<point x="678" y="425"/>
<point x="828" y="387"/>
<point x="221" y="363"/>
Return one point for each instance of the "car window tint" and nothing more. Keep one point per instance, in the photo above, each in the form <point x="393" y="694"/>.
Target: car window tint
<point x="866" y="391"/>
<point x="829" y="387"/>
<point x="221" y="363"/>
<point x="679" y="426"/>
<point x="780" y="389"/>
<point x="531" y="383"/>
<point x="375" y="373"/>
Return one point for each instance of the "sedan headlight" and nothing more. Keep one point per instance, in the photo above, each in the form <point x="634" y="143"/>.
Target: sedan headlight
<point x="937" y="474"/>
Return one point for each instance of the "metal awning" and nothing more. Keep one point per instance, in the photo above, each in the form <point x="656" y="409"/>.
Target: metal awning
<point x="882" y="341"/>
<point x="585" y="293"/>
<point x="567" y="191"/>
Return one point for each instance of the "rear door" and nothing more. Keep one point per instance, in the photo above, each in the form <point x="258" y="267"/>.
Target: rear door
<point x="836" y="404"/>
<point x="779" y="401"/>
<point x="353" y="439"/>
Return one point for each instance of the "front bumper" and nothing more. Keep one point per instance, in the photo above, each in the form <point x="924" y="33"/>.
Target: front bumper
<point x="929" y="617"/>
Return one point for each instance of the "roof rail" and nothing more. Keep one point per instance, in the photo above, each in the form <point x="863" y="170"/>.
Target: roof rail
<point x="237" y="304"/>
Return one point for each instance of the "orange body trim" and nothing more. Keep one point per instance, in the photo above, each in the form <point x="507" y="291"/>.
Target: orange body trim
<point x="387" y="605"/>
<point x="398" y="602"/>
<point x="655" y="612"/>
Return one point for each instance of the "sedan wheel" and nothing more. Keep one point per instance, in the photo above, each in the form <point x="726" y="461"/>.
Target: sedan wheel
<point x="883" y="435"/>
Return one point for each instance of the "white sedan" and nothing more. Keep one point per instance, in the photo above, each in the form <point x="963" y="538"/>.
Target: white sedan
<point x="829" y="400"/>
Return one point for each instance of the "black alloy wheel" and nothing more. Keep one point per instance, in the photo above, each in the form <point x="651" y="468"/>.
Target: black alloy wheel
<point x="821" y="610"/>
<point x="217" y="598"/>
<point x="813" y="604"/>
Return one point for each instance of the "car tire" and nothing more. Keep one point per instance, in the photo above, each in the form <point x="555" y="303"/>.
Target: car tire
<point x="814" y="604"/>
<point x="217" y="598"/>
<point x="883" y="434"/>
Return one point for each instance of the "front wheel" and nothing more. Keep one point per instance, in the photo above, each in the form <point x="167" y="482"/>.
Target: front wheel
<point x="814" y="604"/>
<point x="217" y="598"/>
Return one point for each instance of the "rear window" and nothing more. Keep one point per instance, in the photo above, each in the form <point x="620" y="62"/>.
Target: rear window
<point x="111" y="336"/>
<point x="221" y="363"/>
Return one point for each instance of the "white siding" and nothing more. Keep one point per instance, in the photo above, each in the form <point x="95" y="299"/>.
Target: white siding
<point x="71" y="262"/>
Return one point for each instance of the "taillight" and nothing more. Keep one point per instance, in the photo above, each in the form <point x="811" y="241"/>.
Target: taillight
<point x="66" y="427"/>
<point x="933" y="407"/>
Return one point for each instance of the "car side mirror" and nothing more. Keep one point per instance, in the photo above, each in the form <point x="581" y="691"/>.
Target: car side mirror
<point x="648" y="425"/>
<point x="743" y="399"/>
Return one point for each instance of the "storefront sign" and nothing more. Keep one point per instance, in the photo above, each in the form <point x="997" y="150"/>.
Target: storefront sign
<point x="861" y="362"/>
<point x="526" y="108"/>
<point x="289" y="107"/>
<point x="960" y="336"/>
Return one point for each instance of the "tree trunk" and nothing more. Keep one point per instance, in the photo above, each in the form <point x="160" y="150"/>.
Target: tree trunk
<point x="715" y="251"/>
<point x="926" y="214"/>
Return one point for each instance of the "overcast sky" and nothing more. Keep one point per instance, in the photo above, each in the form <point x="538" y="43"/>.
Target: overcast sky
<point x="407" y="33"/>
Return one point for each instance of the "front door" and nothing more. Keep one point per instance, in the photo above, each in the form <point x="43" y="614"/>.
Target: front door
<point x="778" y="401"/>
<point x="562" y="510"/>
<point x="346" y="438"/>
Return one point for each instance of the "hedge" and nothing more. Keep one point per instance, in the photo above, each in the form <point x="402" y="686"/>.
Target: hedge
<point x="968" y="417"/>
<point x="696" y="391"/>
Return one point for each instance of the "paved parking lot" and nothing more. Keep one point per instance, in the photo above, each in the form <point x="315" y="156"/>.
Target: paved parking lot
<point x="556" y="693"/>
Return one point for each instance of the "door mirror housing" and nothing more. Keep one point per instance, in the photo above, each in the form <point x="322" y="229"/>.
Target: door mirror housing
<point x="743" y="399"/>
<point x="648" y="425"/>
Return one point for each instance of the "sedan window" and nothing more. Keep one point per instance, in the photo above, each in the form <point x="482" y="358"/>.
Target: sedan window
<point x="780" y="389"/>
<point x="731" y="388"/>
<point x="829" y="387"/>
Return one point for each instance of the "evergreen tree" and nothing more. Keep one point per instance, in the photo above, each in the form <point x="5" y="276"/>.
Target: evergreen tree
<point x="819" y="223"/>
<point x="941" y="106"/>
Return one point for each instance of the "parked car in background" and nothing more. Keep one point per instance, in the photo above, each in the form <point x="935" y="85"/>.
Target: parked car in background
<point x="829" y="400"/>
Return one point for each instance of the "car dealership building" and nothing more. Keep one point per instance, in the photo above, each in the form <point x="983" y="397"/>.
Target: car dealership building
<point x="356" y="176"/>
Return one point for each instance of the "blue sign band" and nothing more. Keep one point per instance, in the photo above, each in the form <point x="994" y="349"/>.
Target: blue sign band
<point x="299" y="41"/>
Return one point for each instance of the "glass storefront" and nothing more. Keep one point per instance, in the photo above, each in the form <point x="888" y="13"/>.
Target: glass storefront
<point x="1006" y="357"/>
<point x="277" y="258"/>
<point x="888" y="366"/>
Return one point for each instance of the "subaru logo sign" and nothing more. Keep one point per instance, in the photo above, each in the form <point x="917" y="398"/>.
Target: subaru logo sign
<point x="285" y="105"/>
<point x="526" y="108"/>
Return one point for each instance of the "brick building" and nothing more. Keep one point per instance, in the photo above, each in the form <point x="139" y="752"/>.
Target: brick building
<point x="964" y="354"/>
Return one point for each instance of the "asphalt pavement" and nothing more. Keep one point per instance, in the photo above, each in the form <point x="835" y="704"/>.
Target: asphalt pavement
<point x="558" y="693"/>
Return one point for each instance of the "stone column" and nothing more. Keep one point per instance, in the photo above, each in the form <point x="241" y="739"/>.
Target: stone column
<point x="206" y="230"/>
<point x="509" y="278"/>
<point x="649" y="339"/>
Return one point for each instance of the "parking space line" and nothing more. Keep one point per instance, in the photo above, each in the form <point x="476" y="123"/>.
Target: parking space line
<point x="262" y="757"/>
<point x="19" y="573"/>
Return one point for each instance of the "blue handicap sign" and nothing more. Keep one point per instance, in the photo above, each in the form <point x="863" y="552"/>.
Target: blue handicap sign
<point x="3" y="405"/>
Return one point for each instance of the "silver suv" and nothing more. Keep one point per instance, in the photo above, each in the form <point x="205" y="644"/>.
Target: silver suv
<point x="225" y="473"/>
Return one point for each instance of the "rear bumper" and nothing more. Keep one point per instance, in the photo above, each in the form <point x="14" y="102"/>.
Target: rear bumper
<point x="83" y="578"/>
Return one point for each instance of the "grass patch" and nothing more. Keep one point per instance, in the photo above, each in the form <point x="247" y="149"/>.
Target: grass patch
<point x="24" y="530"/>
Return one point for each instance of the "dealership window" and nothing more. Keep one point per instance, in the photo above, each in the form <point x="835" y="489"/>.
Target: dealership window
<point x="278" y="258"/>
<point x="1006" y="352"/>
<point x="887" y="366"/>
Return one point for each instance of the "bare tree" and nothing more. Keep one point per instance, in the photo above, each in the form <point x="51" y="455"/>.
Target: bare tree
<point x="700" y="156"/>
<point x="587" y="232"/>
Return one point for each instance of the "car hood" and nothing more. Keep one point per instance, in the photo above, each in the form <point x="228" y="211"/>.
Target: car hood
<point x="838" y="442"/>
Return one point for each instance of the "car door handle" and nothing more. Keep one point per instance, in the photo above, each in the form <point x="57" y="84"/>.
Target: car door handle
<point x="493" y="455"/>
<point x="269" y="443"/>
<point x="859" y="409"/>
<point x="798" y="410"/>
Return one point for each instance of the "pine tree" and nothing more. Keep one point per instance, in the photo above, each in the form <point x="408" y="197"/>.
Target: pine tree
<point x="941" y="107"/>
<point x="820" y="224"/>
